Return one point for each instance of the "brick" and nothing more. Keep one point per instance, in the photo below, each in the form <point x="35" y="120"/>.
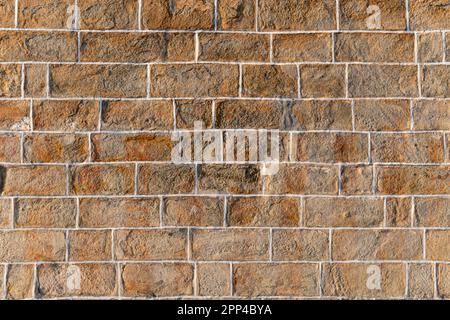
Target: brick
<point x="193" y="211"/>
<point x="419" y="147"/>
<point x="113" y="81"/>
<point x="431" y="115"/>
<point x="137" y="115"/>
<point x="183" y="14"/>
<point x="303" y="179"/>
<point x="430" y="47"/>
<point x="429" y="14"/>
<point x="33" y="180"/>
<point x="89" y="245"/>
<point x="166" y="179"/>
<point x="357" y="15"/>
<point x="19" y="282"/>
<point x="382" y="115"/>
<point x="356" y="180"/>
<point x="108" y="14"/>
<point x="354" y="280"/>
<point x="300" y="245"/>
<point x="233" y="47"/>
<point x="15" y="115"/>
<point x="280" y="279"/>
<point x="241" y="179"/>
<point x="102" y="180"/>
<point x="45" y="213"/>
<point x="210" y="80"/>
<point x="330" y="147"/>
<point x="213" y="279"/>
<point x="374" y="47"/>
<point x="263" y="212"/>
<point x="190" y="111"/>
<point x="437" y="244"/>
<point x="10" y="148"/>
<point x="55" y="148"/>
<point x="270" y="81"/>
<point x="230" y="244"/>
<point x="10" y="83"/>
<point x="162" y="244"/>
<point x="136" y="47"/>
<point x="432" y="212"/>
<point x="7" y="8"/>
<point x="68" y="280"/>
<point x="288" y="15"/>
<point x="38" y="46"/>
<point x="236" y="14"/>
<point x="119" y="213"/>
<point x="51" y="14"/>
<point x="6" y="210"/>
<point x="314" y="47"/>
<point x="322" y="81"/>
<point x="157" y="280"/>
<point x="421" y="283"/>
<point x="398" y="212"/>
<point x="435" y="80"/>
<point x="319" y="115"/>
<point x="377" y="245"/>
<point x="413" y="180"/>
<point x="65" y="115"/>
<point x="382" y="81"/>
<point x="443" y="280"/>
<point x="29" y="246"/>
<point x="353" y="212"/>
<point x="131" y="147"/>
<point x="235" y="114"/>
<point x="35" y="81"/>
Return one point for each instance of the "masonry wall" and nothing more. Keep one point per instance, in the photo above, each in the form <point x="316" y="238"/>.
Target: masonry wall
<point x="92" y="205"/>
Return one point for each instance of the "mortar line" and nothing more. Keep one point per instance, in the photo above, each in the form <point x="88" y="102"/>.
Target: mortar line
<point x="257" y="15"/>
<point x="353" y="115"/>
<point x="213" y="114"/>
<point x="385" y="212"/>
<point x="139" y="14"/>
<point x="225" y="212"/>
<point x="435" y="281"/>
<point x="339" y="179"/>
<point x="271" y="47"/>
<point x="302" y="212"/>
<point x="35" y="282"/>
<point x="444" y="47"/>
<point x="22" y="155"/>
<point x="174" y="114"/>
<point x="330" y="244"/>
<point x="31" y="115"/>
<point x="16" y="14"/>
<point x="136" y="179"/>
<point x="407" y="290"/>
<point x="408" y="26"/>
<point x="161" y="211"/>
<point x="411" y="114"/>
<point x="299" y="82"/>
<point x="231" y="279"/>
<point x="5" y="279"/>
<point x="338" y="15"/>
<point x="196" y="46"/>
<point x="424" y="244"/>
<point x="216" y="10"/>
<point x="77" y="217"/>
<point x="195" y="280"/>
<point x="240" y="80"/>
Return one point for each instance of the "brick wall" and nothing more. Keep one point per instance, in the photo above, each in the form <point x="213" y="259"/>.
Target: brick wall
<point x="93" y="205"/>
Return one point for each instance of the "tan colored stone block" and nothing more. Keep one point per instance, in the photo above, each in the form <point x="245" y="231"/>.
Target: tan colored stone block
<point x="166" y="179"/>
<point x="10" y="148"/>
<point x="108" y="14"/>
<point x="193" y="211"/>
<point x="344" y="212"/>
<point x="398" y="212"/>
<point x="230" y="244"/>
<point x="377" y="245"/>
<point x="263" y="212"/>
<point x="102" y="180"/>
<point x="90" y="245"/>
<point x="236" y="14"/>
<point x="55" y="148"/>
<point x="314" y="47"/>
<point x="131" y="147"/>
<point x="421" y="282"/>
<point x="270" y="81"/>
<point x="432" y="212"/>
<point x="354" y="280"/>
<point x="356" y="180"/>
<point x="35" y="84"/>
<point x="15" y="115"/>
<point x="431" y="115"/>
<point x="157" y="280"/>
<point x="300" y="245"/>
<point x="283" y="279"/>
<point x="69" y="280"/>
<point x="163" y="244"/>
<point x="45" y="213"/>
<point x="119" y="212"/>
<point x="214" y="279"/>
<point x="430" y="47"/>
<point x="20" y="282"/>
<point x="233" y="47"/>
<point x="65" y="115"/>
<point x="438" y="242"/>
<point x="382" y="115"/>
<point x="322" y="81"/>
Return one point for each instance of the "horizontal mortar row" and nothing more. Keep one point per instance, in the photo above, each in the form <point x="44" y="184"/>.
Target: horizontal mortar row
<point x="227" y="80"/>
<point x="144" y="47"/>
<point x="158" y="280"/>
<point x="166" y="178"/>
<point x="264" y="15"/>
<point x="225" y="211"/>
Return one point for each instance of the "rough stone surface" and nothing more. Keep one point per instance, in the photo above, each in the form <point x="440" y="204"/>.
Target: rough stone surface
<point x="138" y="160"/>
